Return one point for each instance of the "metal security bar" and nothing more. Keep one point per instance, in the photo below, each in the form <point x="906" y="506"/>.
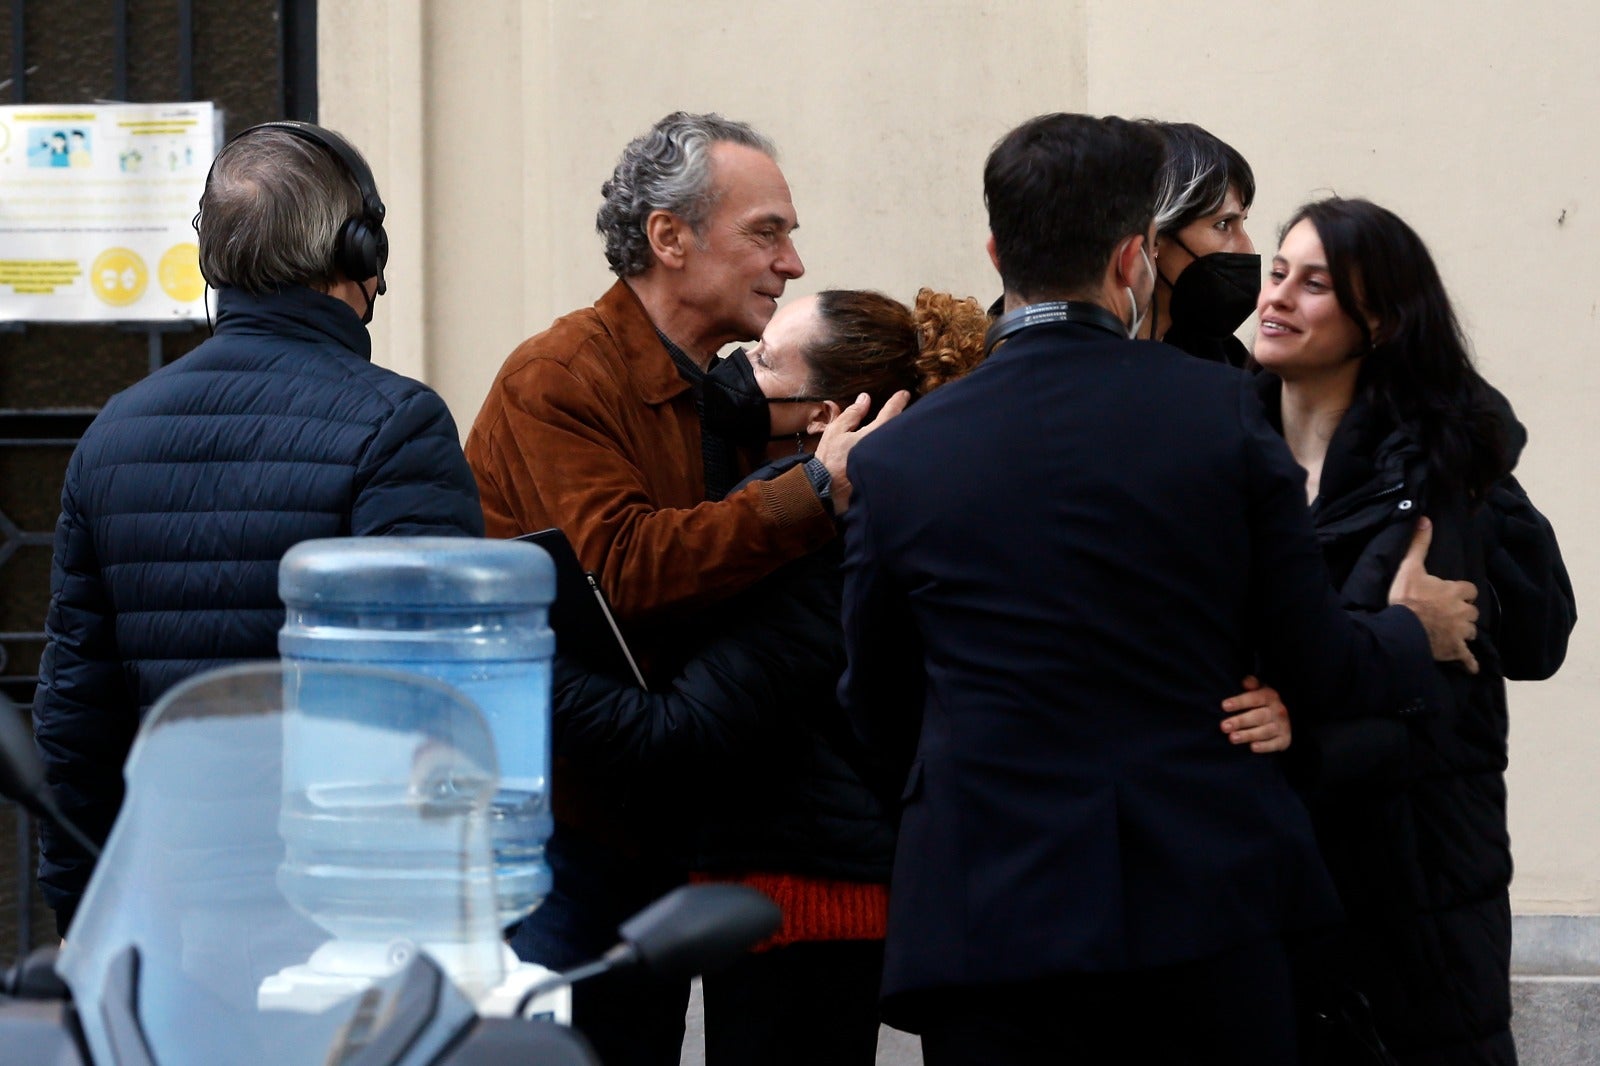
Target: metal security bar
<point x="295" y="58"/>
<point x="257" y="60"/>
<point x="30" y="430"/>
<point x="19" y="55"/>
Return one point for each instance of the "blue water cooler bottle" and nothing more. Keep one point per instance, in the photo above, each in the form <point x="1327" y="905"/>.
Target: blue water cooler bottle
<point x="471" y="613"/>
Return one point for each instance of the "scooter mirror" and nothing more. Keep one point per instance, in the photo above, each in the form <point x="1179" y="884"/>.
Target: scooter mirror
<point x="22" y="775"/>
<point x="696" y="928"/>
<point x="21" y="772"/>
<point x="689" y="931"/>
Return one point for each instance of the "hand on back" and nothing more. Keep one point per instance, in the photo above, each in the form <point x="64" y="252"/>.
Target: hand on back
<point x="1257" y="717"/>
<point x="1444" y="607"/>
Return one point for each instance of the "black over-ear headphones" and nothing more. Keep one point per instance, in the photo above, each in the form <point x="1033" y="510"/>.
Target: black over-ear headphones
<point x="362" y="247"/>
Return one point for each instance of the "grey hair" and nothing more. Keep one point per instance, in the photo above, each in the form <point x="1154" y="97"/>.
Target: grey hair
<point x="271" y="213"/>
<point x="1199" y="170"/>
<point x="667" y="169"/>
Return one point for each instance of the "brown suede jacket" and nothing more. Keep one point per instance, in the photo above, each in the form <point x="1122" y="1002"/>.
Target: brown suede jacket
<point x="590" y="427"/>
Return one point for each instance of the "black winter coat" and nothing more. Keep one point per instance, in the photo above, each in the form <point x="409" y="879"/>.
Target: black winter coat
<point x="1411" y="814"/>
<point x="179" y="503"/>
<point x="746" y="761"/>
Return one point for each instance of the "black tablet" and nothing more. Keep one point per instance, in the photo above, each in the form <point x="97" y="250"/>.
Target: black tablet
<point x="584" y="625"/>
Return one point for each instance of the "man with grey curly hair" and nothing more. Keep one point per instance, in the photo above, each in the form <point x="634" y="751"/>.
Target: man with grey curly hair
<point x="616" y="426"/>
<point x="596" y="425"/>
<point x="668" y="169"/>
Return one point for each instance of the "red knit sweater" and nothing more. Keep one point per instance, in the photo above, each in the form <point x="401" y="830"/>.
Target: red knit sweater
<point x="818" y="909"/>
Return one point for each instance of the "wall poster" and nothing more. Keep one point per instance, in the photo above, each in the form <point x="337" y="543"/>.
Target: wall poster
<point x="96" y="209"/>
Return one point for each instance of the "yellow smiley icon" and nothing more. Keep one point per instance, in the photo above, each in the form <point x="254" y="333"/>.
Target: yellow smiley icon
<point x="119" y="276"/>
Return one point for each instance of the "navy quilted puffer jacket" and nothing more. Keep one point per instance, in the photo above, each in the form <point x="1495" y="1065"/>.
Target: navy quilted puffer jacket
<point x="178" y="505"/>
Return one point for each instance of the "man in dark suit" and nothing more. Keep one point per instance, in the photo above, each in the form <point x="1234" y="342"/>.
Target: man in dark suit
<point x="1057" y="569"/>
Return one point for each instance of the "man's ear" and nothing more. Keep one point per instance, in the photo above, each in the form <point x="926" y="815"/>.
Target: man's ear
<point x="822" y="416"/>
<point x="994" y="254"/>
<point x="1128" y="260"/>
<point x="669" y="236"/>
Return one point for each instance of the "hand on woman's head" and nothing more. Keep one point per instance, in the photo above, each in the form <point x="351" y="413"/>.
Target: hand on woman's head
<point x="823" y="418"/>
<point x="852" y="424"/>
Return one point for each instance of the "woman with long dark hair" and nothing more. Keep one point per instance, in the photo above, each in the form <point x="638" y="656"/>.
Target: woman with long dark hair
<point x="1369" y="379"/>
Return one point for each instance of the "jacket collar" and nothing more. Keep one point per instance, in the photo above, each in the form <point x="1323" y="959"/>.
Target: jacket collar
<point x="1371" y="466"/>
<point x="654" y="376"/>
<point x="1051" y="312"/>
<point x="1051" y="335"/>
<point x="297" y="313"/>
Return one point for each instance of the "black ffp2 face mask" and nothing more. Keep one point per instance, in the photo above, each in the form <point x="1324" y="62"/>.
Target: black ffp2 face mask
<point x="735" y="408"/>
<point x="1216" y="293"/>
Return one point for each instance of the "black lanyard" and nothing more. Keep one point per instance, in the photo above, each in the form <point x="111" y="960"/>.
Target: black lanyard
<point x="1050" y="313"/>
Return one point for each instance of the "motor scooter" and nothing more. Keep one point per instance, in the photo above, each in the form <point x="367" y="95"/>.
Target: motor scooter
<point x="247" y="911"/>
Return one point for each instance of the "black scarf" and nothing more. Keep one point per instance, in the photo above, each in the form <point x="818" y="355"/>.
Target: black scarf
<point x="718" y="458"/>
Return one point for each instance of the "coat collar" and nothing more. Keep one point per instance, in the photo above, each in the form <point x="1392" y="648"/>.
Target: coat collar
<point x="650" y="369"/>
<point x="1372" y="466"/>
<point x="297" y="313"/>
<point x="1050" y="336"/>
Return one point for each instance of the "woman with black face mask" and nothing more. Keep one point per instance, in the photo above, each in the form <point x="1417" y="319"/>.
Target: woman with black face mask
<point x="1207" y="271"/>
<point x="743" y="767"/>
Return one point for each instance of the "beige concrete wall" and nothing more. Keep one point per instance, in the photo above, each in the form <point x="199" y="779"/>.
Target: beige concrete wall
<point x="511" y="114"/>
<point x="369" y="62"/>
<point x="492" y="123"/>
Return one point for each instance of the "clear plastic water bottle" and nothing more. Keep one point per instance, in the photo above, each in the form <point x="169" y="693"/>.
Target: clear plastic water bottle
<point x="471" y="613"/>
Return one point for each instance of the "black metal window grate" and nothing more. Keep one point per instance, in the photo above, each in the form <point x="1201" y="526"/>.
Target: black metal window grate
<point x="257" y="60"/>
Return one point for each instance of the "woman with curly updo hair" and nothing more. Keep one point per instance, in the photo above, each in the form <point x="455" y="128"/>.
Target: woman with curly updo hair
<point x="747" y="762"/>
<point x="822" y="351"/>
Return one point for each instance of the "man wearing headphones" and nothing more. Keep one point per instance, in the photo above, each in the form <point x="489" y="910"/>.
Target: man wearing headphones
<point x="189" y="487"/>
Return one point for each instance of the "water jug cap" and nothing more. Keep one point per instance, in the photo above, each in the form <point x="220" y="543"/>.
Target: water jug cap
<point x="417" y="572"/>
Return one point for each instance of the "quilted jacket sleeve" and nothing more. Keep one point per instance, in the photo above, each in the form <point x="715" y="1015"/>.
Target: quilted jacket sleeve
<point x="728" y="700"/>
<point x="85" y="711"/>
<point x="413" y="479"/>
<point x="1533" y="593"/>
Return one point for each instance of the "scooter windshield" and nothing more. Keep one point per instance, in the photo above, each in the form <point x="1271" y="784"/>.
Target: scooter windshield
<point x="292" y="837"/>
